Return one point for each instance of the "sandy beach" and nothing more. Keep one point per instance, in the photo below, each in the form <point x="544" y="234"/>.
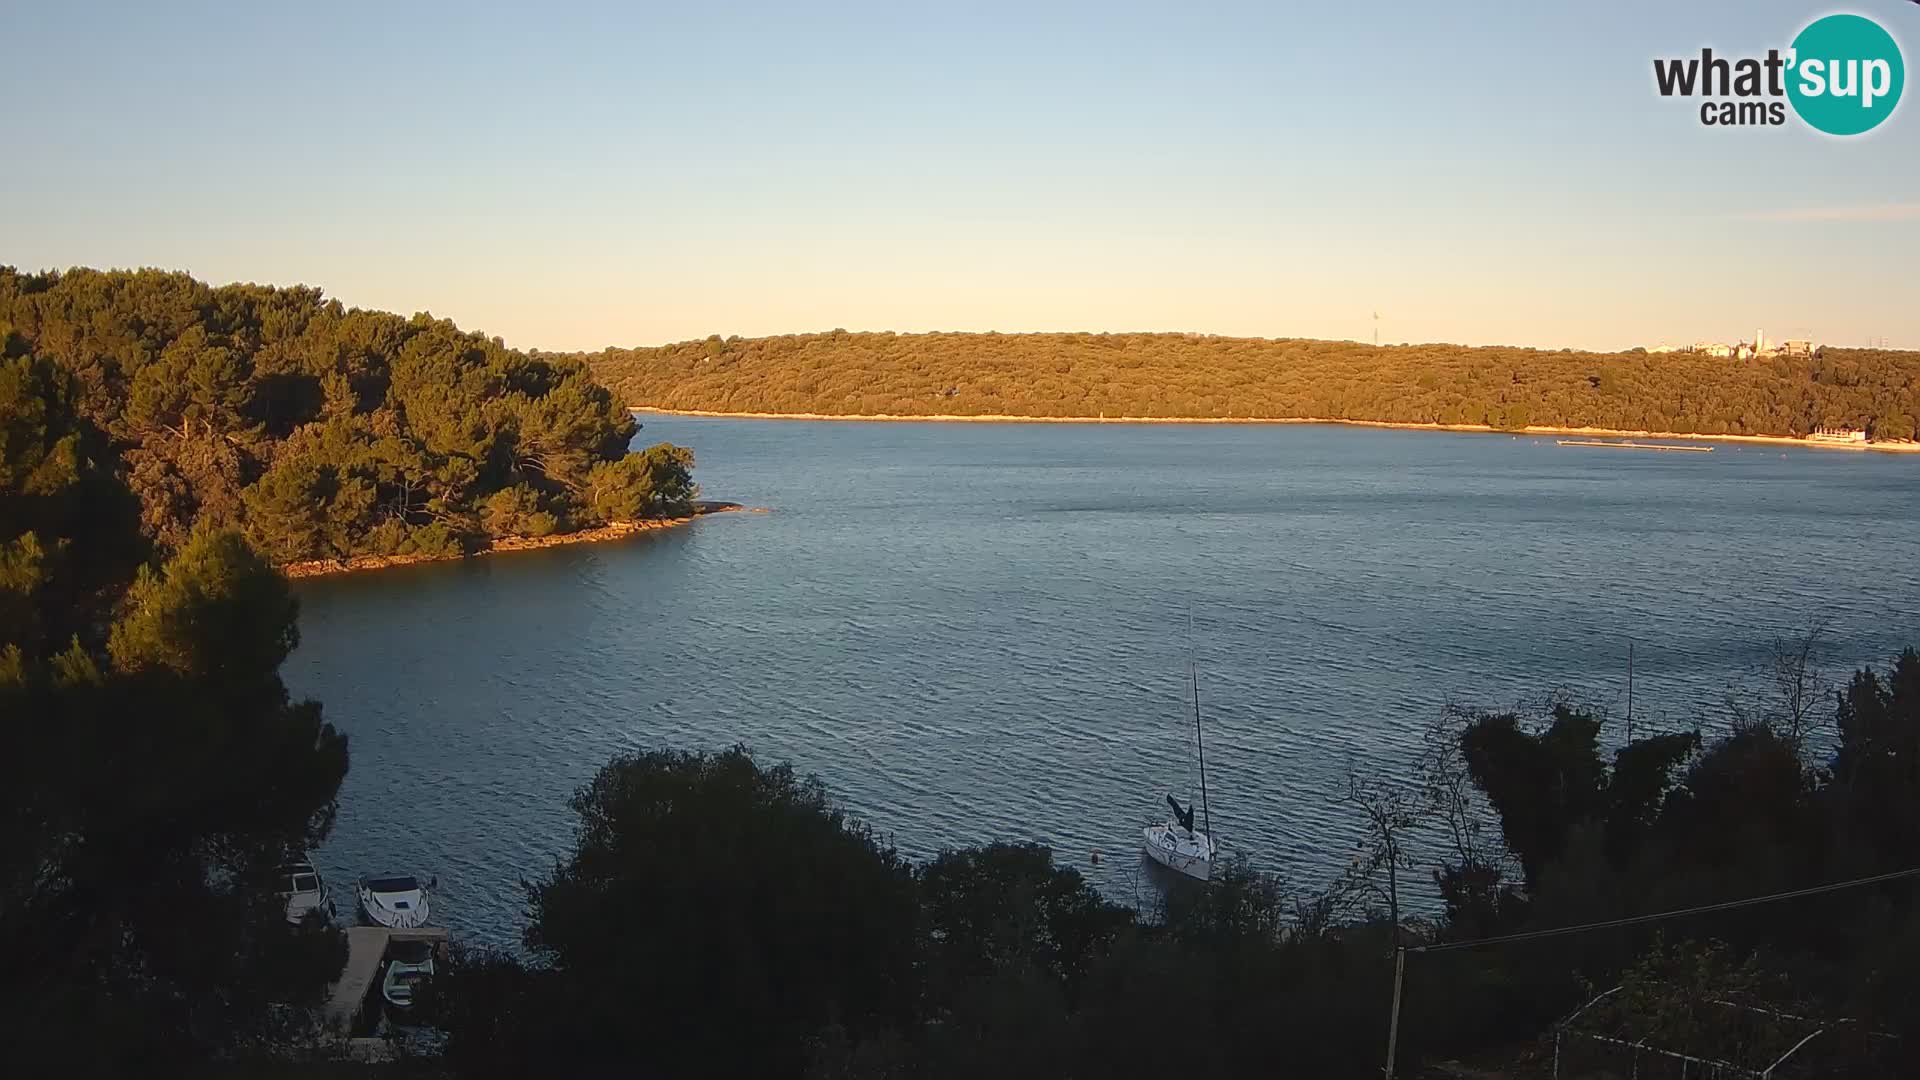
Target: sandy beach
<point x="997" y="418"/>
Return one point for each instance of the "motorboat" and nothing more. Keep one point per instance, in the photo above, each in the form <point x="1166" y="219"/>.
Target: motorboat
<point x="305" y="893"/>
<point x="395" y="901"/>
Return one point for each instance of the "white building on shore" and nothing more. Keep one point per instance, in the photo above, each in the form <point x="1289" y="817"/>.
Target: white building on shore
<point x="1838" y="435"/>
<point x="1758" y="348"/>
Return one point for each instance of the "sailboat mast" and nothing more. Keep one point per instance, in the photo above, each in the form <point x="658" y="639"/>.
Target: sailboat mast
<point x="1206" y="813"/>
<point x="1629" y="691"/>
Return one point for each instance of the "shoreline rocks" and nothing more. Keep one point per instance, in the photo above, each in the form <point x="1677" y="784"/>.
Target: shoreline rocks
<point x="616" y="531"/>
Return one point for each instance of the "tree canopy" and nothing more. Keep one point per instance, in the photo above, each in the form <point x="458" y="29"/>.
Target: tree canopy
<point x="326" y="432"/>
<point x="1193" y="375"/>
<point x="705" y="897"/>
<point x="154" y="772"/>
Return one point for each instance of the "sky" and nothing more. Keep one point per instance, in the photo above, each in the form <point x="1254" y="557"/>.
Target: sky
<point x="575" y="176"/>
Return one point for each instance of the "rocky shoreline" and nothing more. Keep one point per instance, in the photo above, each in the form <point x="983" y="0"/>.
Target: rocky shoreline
<point x="616" y="531"/>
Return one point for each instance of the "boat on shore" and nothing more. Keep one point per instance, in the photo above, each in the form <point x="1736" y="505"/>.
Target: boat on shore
<point x="395" y="901"/>
<point x="1629" y="444"/>
<point x="305" y="893"/>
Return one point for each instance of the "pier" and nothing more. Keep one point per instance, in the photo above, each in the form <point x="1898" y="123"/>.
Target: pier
<point x="1628" y="444"/>
<point x="366" y="947"/>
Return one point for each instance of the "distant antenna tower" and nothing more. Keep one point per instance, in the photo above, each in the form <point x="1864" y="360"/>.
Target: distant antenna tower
<point x="1376" y="329"/>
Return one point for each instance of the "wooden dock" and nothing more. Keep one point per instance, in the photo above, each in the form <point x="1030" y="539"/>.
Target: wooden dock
<point x="366" y="947"/>
<point x="1628" y="444"/>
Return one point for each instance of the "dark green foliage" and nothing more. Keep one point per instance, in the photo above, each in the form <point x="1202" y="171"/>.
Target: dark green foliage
<point x="1675" y="824"/>
<point x="1699" y="999"/>
<point x="1876" y="776"/>
<point x="1746" y="801"/>
<point x="145" y="808"/>
<point x="1540" y="784"/>
<point x="657" y="482"/>
<point x="1239" y="907"/>
<point x="1478" y="900"/>
<point x="521" y="511"/>
<point x="1637" y="788"/>
<point x="1006" y="907"/>
<point x="1191" y="375"/>
<point x="717" y="918"/>
<point x="1149" y="1010"/>
<point x="1229" y="983"/>
<point x="1013" y="1023"/>
<point x="1008" y="941"/>
<point x="214" y="611"/>
<point x="153" y="772"/>
<point x="324" y="432"/>
<point x="1544" y="784"/>
<point x="67" y="527"/>
<point x="714" y="918"/>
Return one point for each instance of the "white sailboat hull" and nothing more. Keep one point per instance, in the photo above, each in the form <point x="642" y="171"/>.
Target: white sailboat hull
<point x="1183" y="852"/>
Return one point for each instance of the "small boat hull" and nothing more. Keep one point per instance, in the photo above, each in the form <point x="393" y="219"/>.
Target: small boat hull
<point x="1183" y="852"/>
<point x="300" y="906"/>
<point x="305" y="893"/>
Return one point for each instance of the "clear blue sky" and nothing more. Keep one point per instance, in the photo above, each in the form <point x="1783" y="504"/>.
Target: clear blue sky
<point x="572" y="176"/>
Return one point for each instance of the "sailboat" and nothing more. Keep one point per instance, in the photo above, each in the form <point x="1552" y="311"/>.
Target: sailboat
<point x="1177" y="845"/>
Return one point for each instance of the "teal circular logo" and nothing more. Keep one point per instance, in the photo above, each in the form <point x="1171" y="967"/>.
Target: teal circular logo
<point x="1846" y="75"/>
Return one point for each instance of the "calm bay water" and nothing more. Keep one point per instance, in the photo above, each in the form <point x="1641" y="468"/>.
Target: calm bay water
<point x="976" y="632"/>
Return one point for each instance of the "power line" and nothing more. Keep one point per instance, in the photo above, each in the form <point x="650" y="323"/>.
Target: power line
<point x="1532" y="935"/>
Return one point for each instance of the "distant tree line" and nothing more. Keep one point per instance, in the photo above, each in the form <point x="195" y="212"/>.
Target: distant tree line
<point x="321" y="431"/>
<point x="720" y="918"/>
<point x="1190" y="375"/>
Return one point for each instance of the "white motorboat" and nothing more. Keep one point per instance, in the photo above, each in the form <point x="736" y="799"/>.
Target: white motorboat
<point x="305" y="892"/>
<point x="395" y="901"/>
<point x="1177" y="845"/>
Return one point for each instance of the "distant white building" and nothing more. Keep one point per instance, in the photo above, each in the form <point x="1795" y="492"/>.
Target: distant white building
<point x="1743" y="350"/>
<point x="1789" y="347"/>
<point x="1838" y="435"/>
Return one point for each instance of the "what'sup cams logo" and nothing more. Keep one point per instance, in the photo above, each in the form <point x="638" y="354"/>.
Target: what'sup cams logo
<point x="1843" y="75"/>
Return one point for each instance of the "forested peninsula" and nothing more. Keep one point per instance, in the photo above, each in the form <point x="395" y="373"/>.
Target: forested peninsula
<point x="325" y="434"/>
<point x="1192" y="376"/>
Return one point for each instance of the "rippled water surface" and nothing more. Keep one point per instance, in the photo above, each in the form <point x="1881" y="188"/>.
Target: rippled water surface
<point x="975" y="632"/>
